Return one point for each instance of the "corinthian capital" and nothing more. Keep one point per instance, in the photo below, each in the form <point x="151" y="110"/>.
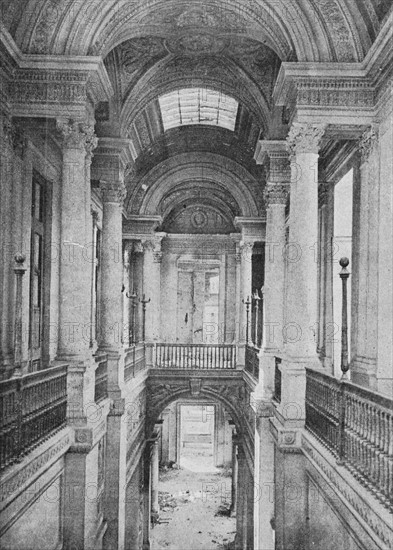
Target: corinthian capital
<point x="367" y="142"/>
<point x="113" y="191"/>
<point x="77" y="135"/>
<point x="153" y="244"/>
<point x="305" y="137"/>
<point x="276" y="193"/>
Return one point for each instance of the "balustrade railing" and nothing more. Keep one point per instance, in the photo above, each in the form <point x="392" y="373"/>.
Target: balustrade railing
<point x="356" y="425"/>
<point x="101" y="378"/>
<point x="135" y="361"/>
<point x="252" y="362"/>
<point x="32" y="408"/>
<point x="195" y="356"/>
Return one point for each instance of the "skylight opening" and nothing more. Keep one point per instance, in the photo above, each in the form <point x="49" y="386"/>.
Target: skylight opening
<point x="191" y="106"/>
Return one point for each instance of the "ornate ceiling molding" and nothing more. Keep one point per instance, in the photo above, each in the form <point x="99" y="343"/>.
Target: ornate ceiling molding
<point x="148" y="192"/>
<point x="314" y="30"/>
<point x="216" y="72"/>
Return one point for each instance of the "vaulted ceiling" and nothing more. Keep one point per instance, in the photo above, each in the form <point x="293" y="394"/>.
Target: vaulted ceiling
<point x="233" y="48"/>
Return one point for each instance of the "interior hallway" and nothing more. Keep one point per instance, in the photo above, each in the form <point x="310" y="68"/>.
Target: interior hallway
<point x="189" y="503"/>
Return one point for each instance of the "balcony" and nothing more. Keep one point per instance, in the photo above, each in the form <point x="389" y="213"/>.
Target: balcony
<point x="355" y="424"/>
<point x="195" y="356"/>
<point x="33" y="407"/>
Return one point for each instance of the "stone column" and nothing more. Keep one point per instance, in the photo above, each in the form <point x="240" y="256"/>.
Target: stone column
<point x="264" y="480"/>
<point x="147" y="496"/>
<point x="246" y="248"/>
<point x="111" y="328"/>
<point x="113" y="194"/>
<point x="152" y="289"/>
<point x="75" y="294"/>
<point x="241" y="503"/>
<point x="239" y="305"/>
<point x="276" y="195"/>
<point x="234" y="485"/>
<point x="299" y="332"/>
<point x="81" y="464"/>
<point x="155" y="462"/>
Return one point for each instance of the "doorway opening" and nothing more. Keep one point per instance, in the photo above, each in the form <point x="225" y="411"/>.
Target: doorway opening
<point x="197" y="429"/>
<point x="195" y="479"/>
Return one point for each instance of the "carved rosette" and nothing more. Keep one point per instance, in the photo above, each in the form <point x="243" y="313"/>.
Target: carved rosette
<point x="304" y="138"/>
<point x="113" y="191"/>
<point x="367" y="143"/>
<point x="77" y="135"/>
<point x="276" y="194"/>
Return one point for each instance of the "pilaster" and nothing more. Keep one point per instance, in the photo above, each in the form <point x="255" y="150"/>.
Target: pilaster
<point x="364" y="359"/>
<point x="152" y="257"/>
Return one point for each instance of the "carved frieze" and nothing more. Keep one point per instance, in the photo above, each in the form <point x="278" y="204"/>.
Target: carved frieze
<point x="329" y="92"/>
<point x="49" y="87"/>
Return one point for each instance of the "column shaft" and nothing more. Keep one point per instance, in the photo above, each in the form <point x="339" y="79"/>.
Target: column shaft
<point x="111" y="322"/>
<point x="75" y="307"/>
<point x="300" y="329"/>
<point x="246" y="282"/>
<point x="152" y="286"/>
<point x="155" y="479"/>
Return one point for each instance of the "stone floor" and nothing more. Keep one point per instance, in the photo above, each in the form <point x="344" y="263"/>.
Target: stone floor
<point x="194" y="507"/>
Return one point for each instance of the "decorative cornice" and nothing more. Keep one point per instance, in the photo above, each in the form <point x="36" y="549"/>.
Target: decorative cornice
<point x="252" y="228"/>
<point x="276" y="194"/>
<point x="367" y="143"/>
<point x="113" y="191"/>
<point x="305" y="137"/>
<point x="56" y="84"/>
<point x="77" y="135"/>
